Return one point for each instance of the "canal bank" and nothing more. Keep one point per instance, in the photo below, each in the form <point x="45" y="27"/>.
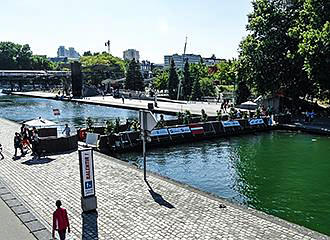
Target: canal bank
<point x="128" y="207"/>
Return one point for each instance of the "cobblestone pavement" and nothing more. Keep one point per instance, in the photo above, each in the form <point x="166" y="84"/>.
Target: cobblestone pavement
<point x="127" y="207"/>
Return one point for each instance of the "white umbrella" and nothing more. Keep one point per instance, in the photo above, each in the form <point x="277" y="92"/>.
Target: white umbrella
<point x="248" y="105"/>
<point x="39" y="122"/>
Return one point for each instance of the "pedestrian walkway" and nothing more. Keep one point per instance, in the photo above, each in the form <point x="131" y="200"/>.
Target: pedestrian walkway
<point x="11" y="227"/>
<point x="135" y="104"/>
<point x="128" y="208"/>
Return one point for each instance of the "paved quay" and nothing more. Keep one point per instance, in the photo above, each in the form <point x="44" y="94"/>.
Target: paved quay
<point x="135" y="104"/>
<point x="127" y="207"/>
<point x="10" y="226"/>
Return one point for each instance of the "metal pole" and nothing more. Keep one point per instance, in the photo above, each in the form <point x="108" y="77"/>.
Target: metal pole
<point x="144" y="156"/>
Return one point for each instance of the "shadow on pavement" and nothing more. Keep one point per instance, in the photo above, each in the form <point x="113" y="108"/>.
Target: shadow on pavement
<point x="158" y="198"/>
<point x="35" y="161"/>
<point x="90" y="228"/>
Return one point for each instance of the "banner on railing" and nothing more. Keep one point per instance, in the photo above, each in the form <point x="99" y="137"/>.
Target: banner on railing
<point x="257" y="121"/>
<point x="196" y="129"/>
<point x="159" y="132"/>
<point x="230" y="124"/>
<point x="179" y="130"/>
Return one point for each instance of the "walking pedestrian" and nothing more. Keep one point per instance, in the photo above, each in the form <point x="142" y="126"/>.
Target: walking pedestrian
<point x="18" y="144"/>
<point x="66" y="130"/>
<point x="60" y="221"/>
<point x="2" y="157"/>
<point x="26" y="139"/>
<point x="35" y="142"/>
<point x="123" y="98"/>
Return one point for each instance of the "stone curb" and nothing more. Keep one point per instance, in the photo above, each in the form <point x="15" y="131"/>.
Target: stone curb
<point x="21" y="210"/>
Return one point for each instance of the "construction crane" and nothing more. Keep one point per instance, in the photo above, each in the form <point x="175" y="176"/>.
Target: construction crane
<point x="183" y="62"/>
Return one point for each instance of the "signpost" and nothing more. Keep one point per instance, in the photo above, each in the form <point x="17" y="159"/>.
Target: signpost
<point x="147" y="123"/>
<point x="87" y="180"/>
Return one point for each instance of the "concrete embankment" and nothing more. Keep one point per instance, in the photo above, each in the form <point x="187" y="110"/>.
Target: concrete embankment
<point x="128" y="207"/>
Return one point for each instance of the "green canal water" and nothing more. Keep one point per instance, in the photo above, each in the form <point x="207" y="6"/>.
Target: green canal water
<point x="285" y="174"/>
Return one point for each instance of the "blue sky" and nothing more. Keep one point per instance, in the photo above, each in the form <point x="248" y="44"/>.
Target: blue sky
<point x="154" y="27"/>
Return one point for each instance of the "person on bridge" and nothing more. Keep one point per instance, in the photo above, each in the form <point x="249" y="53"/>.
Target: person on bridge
<point x="60" y="221"/>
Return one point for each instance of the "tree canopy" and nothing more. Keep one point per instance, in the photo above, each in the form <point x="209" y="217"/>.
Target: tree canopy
<point x="173" y="81"/>
<point x="98" y="67"/>
<point x="20" y="57"/>
<point x="287" y="49"/>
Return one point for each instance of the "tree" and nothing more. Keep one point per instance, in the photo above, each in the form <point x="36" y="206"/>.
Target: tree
<point x="207" y="86"/>
<point x="87" y="53"/>
<point x="161" y="80"/>
<point x="173" y="81"/>
<point x="266" y="61"/>
<point x="187" y="82"/>
<point x="196" y="93"/>
<point x="312" y="31"/>
<point x="15" y="56"/>
<point x="134" y="79"/>
<point x="40" y="62"/>
<point x="139" y="80"/>
<point x="102" y="66"/>
<point x="242" y="92"/>
<point x="287" y="49"/>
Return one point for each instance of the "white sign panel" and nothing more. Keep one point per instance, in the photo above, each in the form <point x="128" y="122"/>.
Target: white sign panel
<point x="92" y="138"/>
<point x="159" y="132"/>
<point x="257" y="121"/>
<point x="179" y="130"/>
<point x="87" y="167"/>
<point x="147" y="120"/>
<point x="230" y="124"/>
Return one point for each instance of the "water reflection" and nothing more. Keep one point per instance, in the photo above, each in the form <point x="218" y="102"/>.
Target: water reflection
<point x="280" y="173"/>
<point x="24" y="108"/>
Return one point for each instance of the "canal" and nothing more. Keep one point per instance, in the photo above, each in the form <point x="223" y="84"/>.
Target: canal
<point x="285" y="174"/>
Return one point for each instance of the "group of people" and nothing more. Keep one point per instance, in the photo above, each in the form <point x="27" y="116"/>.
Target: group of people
<point x="225" y="105"/>
<point x="309" y="116"/>
<point x="26" y="140"/>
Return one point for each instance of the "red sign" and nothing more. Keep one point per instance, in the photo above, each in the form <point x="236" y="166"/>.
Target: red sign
<point x="196" y="128"/>
<point x="56" y="112"/>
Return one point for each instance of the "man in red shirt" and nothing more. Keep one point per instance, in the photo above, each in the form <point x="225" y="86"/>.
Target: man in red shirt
<point x="60" y="221"/>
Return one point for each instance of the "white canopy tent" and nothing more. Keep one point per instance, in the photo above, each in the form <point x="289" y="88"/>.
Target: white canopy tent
<point x="248" y="105"/>
<point x="40" y="122"/>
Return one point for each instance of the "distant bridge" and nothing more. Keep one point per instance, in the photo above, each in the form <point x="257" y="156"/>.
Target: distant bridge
<point x="12" y="78"/>
<point x="30" y="74"/>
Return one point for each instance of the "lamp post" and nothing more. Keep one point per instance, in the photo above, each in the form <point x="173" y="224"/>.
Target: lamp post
<point x="147" y="123"/>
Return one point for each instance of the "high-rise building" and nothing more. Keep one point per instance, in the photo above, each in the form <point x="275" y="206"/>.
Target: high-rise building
<point x="179" y="60"/>
<point x="71" y="53"/>
<point x="129" y="54"/>
<point x="61" y="51"/>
